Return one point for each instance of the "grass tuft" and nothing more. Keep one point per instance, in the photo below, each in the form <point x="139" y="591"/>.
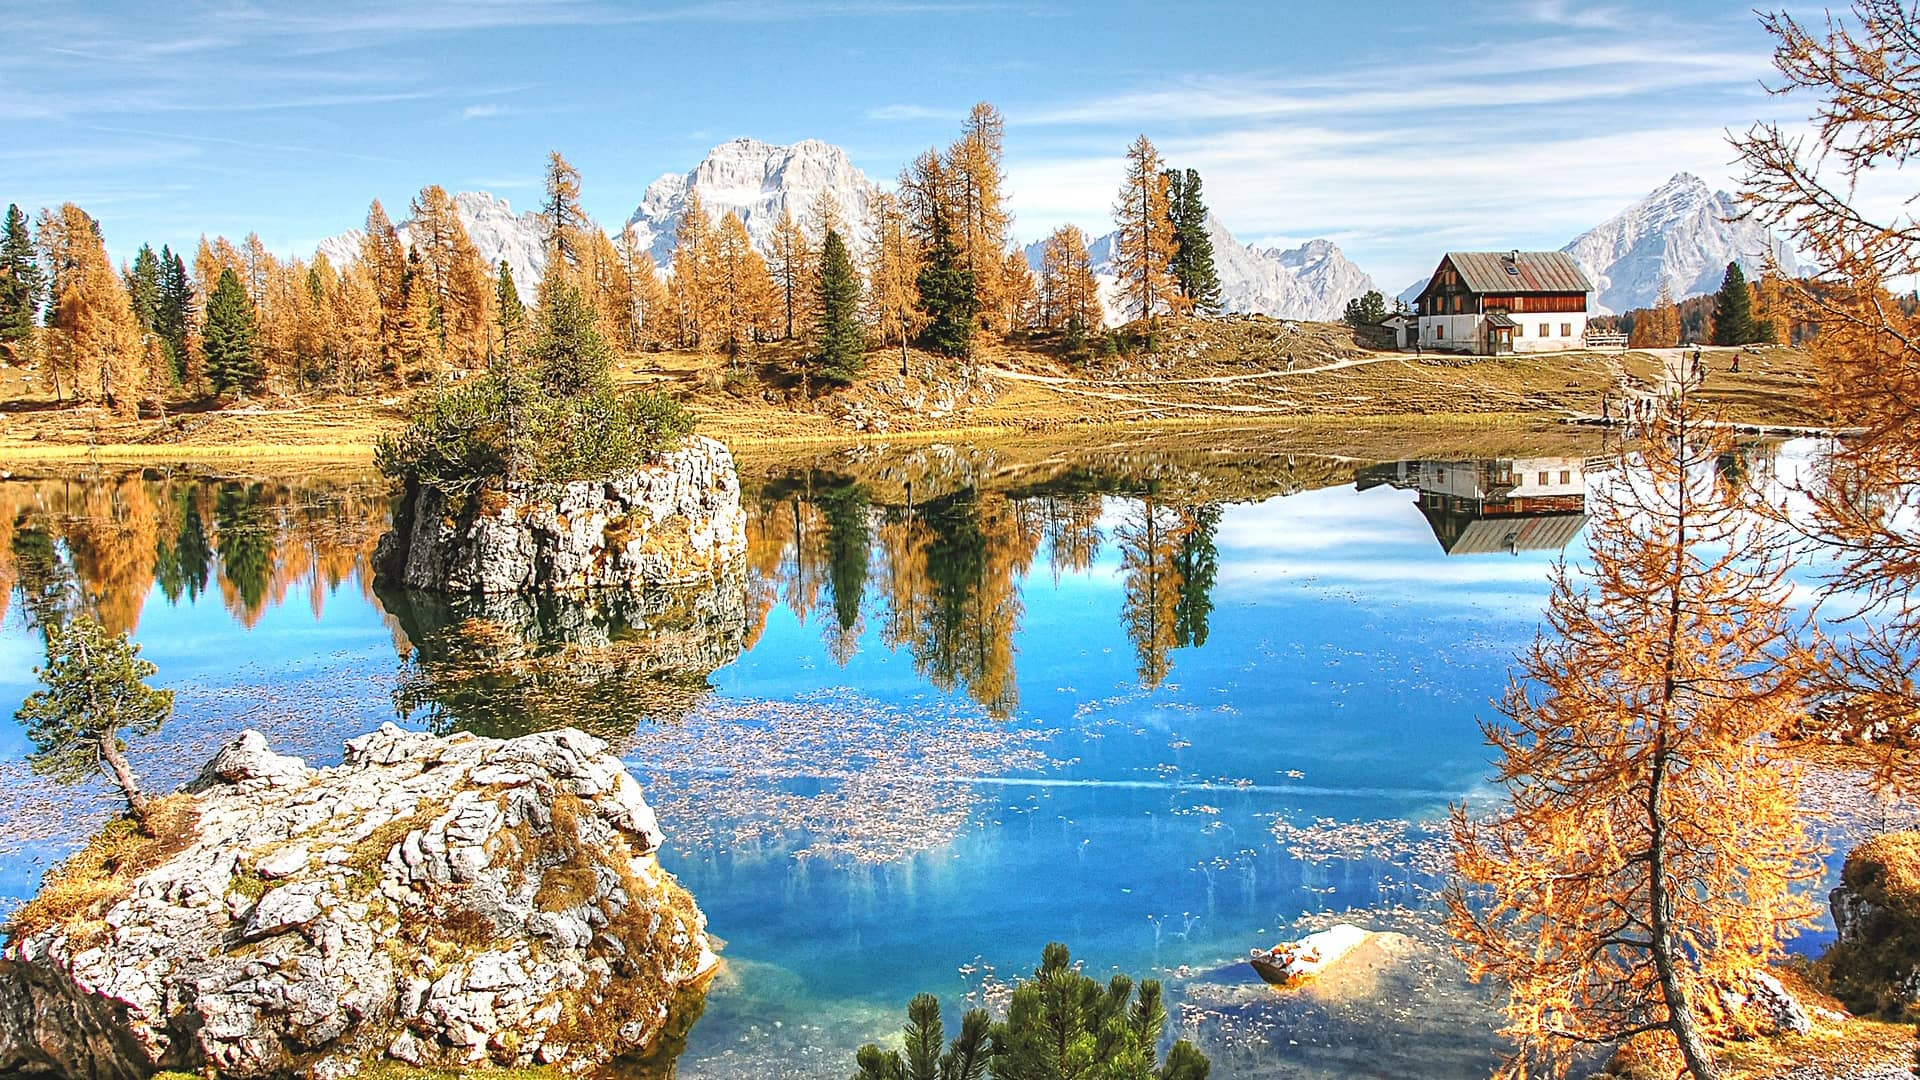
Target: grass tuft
<point x="77" y="894"/>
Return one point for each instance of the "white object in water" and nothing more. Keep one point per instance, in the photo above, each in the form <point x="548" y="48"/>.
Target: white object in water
<point x="1309" y="956"/>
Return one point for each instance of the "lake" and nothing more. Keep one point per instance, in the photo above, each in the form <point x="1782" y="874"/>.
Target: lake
<point x="1161" y="704"/>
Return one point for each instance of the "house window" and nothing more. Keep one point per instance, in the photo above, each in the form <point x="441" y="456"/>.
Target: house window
<point x="1519" y="331"/>
<point x="1439" y="332"/>
<point x="1545" y="330"/>
<point x="1543" y="479"/>
<point x="1566" y="476"/>
<point x="1566" y="329"/>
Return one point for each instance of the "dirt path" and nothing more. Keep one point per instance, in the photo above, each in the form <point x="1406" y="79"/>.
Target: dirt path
<point x="1064" y="380"/>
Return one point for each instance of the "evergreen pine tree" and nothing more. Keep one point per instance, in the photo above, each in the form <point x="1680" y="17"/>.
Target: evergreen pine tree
<point x="1733" y="309"/>
<point x="1192" y="263"/>
<point x="843" y="351"/>
<point x="948" y="298"/>
<point x="509" y="312"/>
<point x="227" y="337"/>
<point x="93" y="695"/>
<point x="143" y="287"/>
<point x="175" y="313"/>
<point x="568" y="354"/>
<point x="1367" y="310"/>
<point x="21" y="288"/>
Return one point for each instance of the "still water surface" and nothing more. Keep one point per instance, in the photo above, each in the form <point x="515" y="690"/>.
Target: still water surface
<point x="945" y="713"/>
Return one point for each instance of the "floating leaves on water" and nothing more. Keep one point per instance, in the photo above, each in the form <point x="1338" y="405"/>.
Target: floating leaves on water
<point x="832" y="775"/>
<point x="1416" y="847"/>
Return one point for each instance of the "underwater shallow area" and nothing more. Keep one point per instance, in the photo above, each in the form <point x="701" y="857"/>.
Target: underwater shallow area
<point x="937" y="719"/>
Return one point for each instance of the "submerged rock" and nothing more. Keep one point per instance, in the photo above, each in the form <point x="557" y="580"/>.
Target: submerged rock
<point x="445" y="902"/>
<point x="674" y="522"/>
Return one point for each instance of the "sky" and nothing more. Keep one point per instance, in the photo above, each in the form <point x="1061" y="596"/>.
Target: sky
<point x="1396" y="130"/>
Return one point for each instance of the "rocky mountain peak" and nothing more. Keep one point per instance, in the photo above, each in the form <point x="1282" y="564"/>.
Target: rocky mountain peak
<point x="755" y="180"/>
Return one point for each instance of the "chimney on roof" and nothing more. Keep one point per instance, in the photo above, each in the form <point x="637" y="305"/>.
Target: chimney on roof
<point x="1513" y="256"/>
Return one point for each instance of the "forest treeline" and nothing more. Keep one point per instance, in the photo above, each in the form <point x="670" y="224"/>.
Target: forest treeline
<point x="935" y="269"/>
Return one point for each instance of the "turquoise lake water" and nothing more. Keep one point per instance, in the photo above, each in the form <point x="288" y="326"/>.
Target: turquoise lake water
<point x="929" y="729"/>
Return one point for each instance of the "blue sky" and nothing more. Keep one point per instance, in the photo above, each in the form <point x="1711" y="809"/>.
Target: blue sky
<point x="1397" y="130"/>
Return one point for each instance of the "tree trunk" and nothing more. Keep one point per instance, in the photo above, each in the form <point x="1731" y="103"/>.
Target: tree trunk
<point x="1680" y="1018"/>
<point x="1686" y="1031"/>
<point x="116" y="763"/>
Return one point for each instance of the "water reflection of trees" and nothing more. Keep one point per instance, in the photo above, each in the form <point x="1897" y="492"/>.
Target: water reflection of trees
<point x="103" y="542"/>
<point x="943" y="575"/>
<point x="606" y="661"/>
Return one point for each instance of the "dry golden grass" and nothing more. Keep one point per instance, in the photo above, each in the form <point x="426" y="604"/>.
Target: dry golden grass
<point x="78" y="893"/>
<point x="1203" y="372"/>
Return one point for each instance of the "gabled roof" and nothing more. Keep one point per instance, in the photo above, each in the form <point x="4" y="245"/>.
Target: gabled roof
<point x="1465" y="533"/>
<point x="1539" y="271"/>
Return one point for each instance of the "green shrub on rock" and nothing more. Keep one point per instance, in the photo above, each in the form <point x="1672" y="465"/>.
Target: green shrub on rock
<point x="557" y="419"/>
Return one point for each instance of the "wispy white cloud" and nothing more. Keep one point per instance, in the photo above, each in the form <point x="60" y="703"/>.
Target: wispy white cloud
<point x="489" y="110"/>
<point x="912" y="112"/>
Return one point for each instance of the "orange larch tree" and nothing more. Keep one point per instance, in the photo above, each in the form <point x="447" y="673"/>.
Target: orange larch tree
<point x="1650" y="845"/>
<point x="1863" y="74"/>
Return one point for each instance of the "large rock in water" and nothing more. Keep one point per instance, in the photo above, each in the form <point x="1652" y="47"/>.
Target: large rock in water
<point x="674" y="522"/>
<point x="1875" y="957"/>
<point x="441" y="901"/>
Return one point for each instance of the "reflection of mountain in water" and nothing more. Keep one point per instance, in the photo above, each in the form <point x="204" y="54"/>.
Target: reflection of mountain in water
<point x="1495" y="505"/>
<point x="604" y="661"/>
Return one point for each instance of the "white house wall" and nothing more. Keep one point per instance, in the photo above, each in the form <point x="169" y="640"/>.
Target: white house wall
<point x="1526" y="334"/>
<point x="1464" y="332"/>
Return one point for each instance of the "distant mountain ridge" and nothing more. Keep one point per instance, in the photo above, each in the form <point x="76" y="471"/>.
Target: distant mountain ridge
<point x="756" y="180"/>
<point x="498" y="234"/>
<point x="1682" y="233"/>
<point x="1313" y="281"/>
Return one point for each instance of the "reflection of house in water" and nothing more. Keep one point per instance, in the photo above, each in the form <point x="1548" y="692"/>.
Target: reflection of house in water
<point x="1483" y="507"/>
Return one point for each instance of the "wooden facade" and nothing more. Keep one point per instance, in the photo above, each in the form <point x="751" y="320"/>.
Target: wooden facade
<point x="1491" y="303"/>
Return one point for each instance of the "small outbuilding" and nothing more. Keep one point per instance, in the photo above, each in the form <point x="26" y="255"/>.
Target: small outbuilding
<point x="1405" y="328"/>
<point x="1490" y="303"/>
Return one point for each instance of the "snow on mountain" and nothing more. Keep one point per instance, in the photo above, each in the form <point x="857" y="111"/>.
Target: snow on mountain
<point x="1312" y="281"/>
<point x="1683" y="233"/>
<point x="498" y="234"/>
<point x="756" y="180"/>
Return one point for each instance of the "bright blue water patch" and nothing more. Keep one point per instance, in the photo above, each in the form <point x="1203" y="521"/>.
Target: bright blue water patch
<point x="960" y="730"/>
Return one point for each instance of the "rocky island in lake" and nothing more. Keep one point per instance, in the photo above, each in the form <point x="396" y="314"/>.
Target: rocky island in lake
<point x="444" y="902"/>
<point x="670" y="522"/>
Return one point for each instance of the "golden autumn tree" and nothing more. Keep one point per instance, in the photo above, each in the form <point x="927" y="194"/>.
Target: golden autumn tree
<point x="1069" y="293"/>
<point x="1659" y="326"/>
<point x="745" y="300"/>
<point x="94" y="339"/>
<point x="458" y="279"/>
<point x="1019" y="293"/>
<point x="355" y="329"/>
<point x="790" y="261"/>
<point x="893" y="269"/>
<point x="695" y="274"/>
<point x="645" y="318"/>
<point x="416" y="348"/>
<point x="1144" y="236"/>
<point x="1649" y="846"/>
<point x="560" y="213"/>
<point x="1862" y="76"/>
<point x="385" y="260"/>
<point x="977" y="177"/>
